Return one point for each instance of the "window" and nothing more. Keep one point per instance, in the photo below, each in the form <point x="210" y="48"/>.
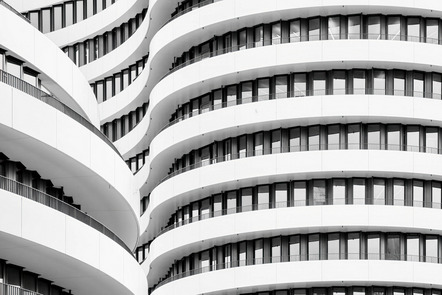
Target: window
<point x="373" y="246"/>
<point x="431" y="249"/>
<point x="258" y="144"/>
<point x="231" y="95"/>
<point x="69" y="13"/>
<point x="263" y="197"/>
<point x="281" y="87"/>
<point x="374" y="137"/>
<point x="437" y="86"/>
<point x="313" y="247"/>
<point x="413" y="29"/>
<point x="259" y="36"/>
<point x="242" y="39"/>
<point x="246" y="92"/>
<point x="412" y="138"/>
<point x="379" y="192"/>
<point x="295" y="31"/>
<point x="333" y="247"/>
<point x="300" y="85"/>
<point x="246" y="199"/>
<point x="339" y="83"/>
<point x="359" y="191"/>
<point x="394" y="137"/>
<point x="418" y="85"/>
<point x="263" y="89"/>
<point x="276" y="141"/>
<point x="205" y="261"/>
<point x="231" y="202"/>
<point x="354" y="27"/>
<point x="79" y="10"/>
<point x="34" y="18"/>
<point x="374" y="27"/>
<point x="432" y="31"/>
<point x="353" y="246"/>
<point x="242" y="146"/>
<point x="313" y="138"/>
<point x="205" y="156"/>
<point x="58" y="17"/>
<point x="394" y="28"/>
<point x="333" y="137"/>
<point x="398" y="192"/>
<point x="13" y="67"/>
<point x="431" y="140"/>
<point x="276" y="250"/>
<point x="339" y="192"/>
<point x="412" y="248"/>
<point x="399" y="83"/>
<point x="319" y="84"/>
<point x="379" y="82"/>
<point x="281" y="195"/>
<point x="242" y="253"/>
<point x="294" y="248"/>
<point x="353" y="136"/>
<point x="418" y="193"/>
<point x="258" y="253"/>
<point x="319" y="192"/>
<point x="393" y="247"/>
<point x="314" y="29"/>
<point x="295" y="139"/>
<point x="436" y="195"/>
<point x="276" y="33"/>
<point x="359" y="83"/>
<point x="334" y="28"/>
<point x="46" y="20"/>
<point x="300" y="193"/>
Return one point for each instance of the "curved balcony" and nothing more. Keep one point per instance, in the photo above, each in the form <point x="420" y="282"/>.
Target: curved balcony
<point x="307" y="274"/>
<point x="50" y="201"/>
<point x="225" y="176"/>
<point x="55" y="103"/>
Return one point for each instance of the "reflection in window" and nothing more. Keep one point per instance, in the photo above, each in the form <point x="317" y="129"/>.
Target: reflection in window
<point x="354" y="27"/>
<point x="263" y="89"/>
<point x="281" y="87"/>
<point x="431" y="140"/>
<point x="339" y="192"/>
<point x="436" y="195"/>
<point x="280" y="195"/>
<point x="398" y="192"/>
<point x="412" y="248"/>
<point x="359" y="83"/>
<point x="319" y="83"/>
<point x="300" y="85"/>
<point x="333" y="136"/>
<point x="379" y="82"/>
<point x="399" y="83"/>
<point x="413" y="29"/>
<point x="437" y="86"/>
<point x="374" y="27"/>
<point x="313" y="29"/>
<point x="276" y="33"/>
<point x="319" y="193"/>
<point x="394" y="28"/>
<point x="359" y="191"/>
<point x="373" y="246"/>
<point x="394" y="137"/>
<point x="263" y="197"/>
<point x="393" y="248"/>
<point x="313" y="247"/>
<point x="432" y="31"/>
<point x="333" y="246"/>
<point x="418" y="193"/>
<point x="418" y="85"/>
<point x="339" y="82"/>
<point x="379" y="192"/>
<point x="412" y="138"/>
<point x="353" y="136"/>
<point x="313" y="138"/>
<point x="374" y="137"/>
<point x="300" y="193"/>
<point x="353" y="246"/>
<point x="295" y="31"/>
<point x="334" y="28"/>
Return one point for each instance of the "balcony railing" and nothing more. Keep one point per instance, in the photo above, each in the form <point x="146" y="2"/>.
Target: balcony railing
<point x="299" y="203"/>
<point x="50" y="201"/>
<point x="299" y="94"/>
<point x="23" y="86"/>
<point x="302" y="148"/>
<point x="7" y="289"/>
<point x="189" y="9"/>
<point x="296" y="39"/>
<point x="297" y="258"/>
<point x="2" y="2"/>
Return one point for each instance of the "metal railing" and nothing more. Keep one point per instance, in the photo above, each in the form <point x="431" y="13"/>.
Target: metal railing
<point x="7" y="289"/>
<point x="297" y="258"/>
<point x="209" y="107"/>
<point x="50" y="201"/>
<point x="2" y="2"/>
<point x="189" y="9"/>
<point x="302" y="148"/>
<point x="300" y="203"/>
<point x="295" y="39"/>
<point x="23" y="86"/>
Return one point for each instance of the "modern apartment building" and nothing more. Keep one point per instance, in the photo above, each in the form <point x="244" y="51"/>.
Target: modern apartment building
<point x="222" y="147"/>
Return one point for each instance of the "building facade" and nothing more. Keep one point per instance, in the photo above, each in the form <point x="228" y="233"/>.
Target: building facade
<point x="221" y="147"/>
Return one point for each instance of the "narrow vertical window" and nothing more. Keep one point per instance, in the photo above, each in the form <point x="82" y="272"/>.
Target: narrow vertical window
<point x="353" y="246"/>
<point x="373" y="246"/>
<point x="399" y="83"/>
<point x="394" y="28"/>
<point x="58" y="17"/>
<point x="374" y="27"/>
<point x="313" y="247"/>
<point x="412" y="248"/>
<point x="353" y="136"/>
<point x="354" y="27"/>
<point x="418" y="85"/>
<point x="333" y="246"/>
<point x="379" y="82"/>
<point x="436" y="195"/>
<point x="281" y="195"/>
<point x="432" y="31"/>
<point x="379" y="192"/>
<point x="334" y="28"/>
<point x="413" y="29"/>
<point x="263" y="89"/>
<point x="276" y="33"/>
<point x="398" y="192"/>
<point x="319" y="192"/>
<point x="295" y="31"/>
<point x="300" y="85"/>
<point x="339" y="192"/>
<point x="359" y="191"/>
<point x="359" y="82"/>
<point x="319" y="83"/>
<point x="314" y="29"/>
<point x="300" y="193"/>
<point x="333" y="137"/>
<point x="281" y="87"/>
<point x="437" y="86"/>
<point x="339" y="83"/>
<point x="313" y="138"/>
<point x="263" y="197"/>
